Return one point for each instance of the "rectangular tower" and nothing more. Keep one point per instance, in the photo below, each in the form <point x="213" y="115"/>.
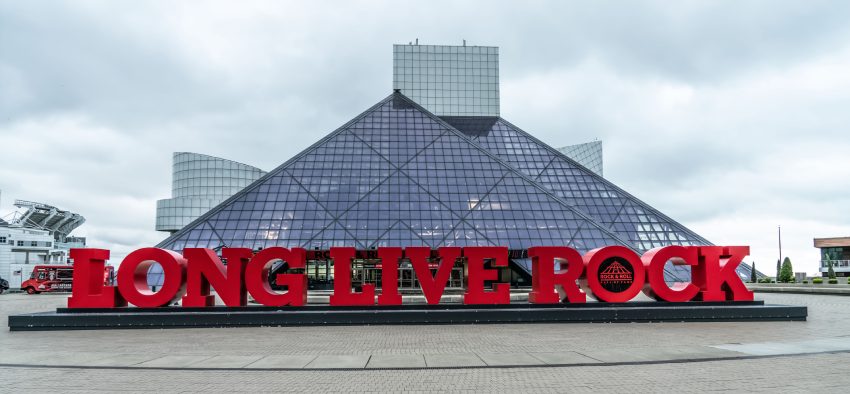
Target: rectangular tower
<point x="449" y="80"/>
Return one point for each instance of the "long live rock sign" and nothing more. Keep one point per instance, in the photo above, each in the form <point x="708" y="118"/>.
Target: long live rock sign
<point x="190" y="277"/>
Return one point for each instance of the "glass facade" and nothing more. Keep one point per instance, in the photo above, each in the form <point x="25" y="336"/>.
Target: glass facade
<point x="611" y="207"/>
<point x="199" y="183"/>
<point x="399" y="176"/>
<point x="632" y="220"/>
<point x="588" y="154"/>
<point x="835" y="253"/>
<point x="449" y="80"/>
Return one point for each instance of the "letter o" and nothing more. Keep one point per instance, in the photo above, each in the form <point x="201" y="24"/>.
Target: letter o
<point x="594" y="259"/>
<point x="133" y="277"/>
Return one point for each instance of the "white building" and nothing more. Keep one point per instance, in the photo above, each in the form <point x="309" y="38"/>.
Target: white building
<point x="449" y="80"/>
<point x="199" y="183"/>
<point x="38" y="235"/>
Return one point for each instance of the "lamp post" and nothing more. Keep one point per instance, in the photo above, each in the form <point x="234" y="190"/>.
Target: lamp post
<point x="779" y="262"/>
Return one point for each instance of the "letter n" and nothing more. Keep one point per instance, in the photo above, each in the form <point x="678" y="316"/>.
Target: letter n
<point x="205" y="269"/>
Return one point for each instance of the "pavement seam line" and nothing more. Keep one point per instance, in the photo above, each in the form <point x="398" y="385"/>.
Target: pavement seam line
<point x="592" y="358"/>
<point x="602" y="364"/>
<point x="486" y="365"/>
<point x="537" y="358"/>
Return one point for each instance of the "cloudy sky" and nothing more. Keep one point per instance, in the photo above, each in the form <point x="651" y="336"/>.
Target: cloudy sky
<point x="732" y="117"/>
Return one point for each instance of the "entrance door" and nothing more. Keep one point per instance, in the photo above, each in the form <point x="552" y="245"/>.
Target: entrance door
<point x="319" y="275"/>
<point x="407" y="278"/>
<point x="372" y="275"/>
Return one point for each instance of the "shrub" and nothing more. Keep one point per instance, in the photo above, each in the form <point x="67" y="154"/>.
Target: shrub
<point x="833" y="281"/>
<point x="817" y="281"/>
<point x="805" y="282"/>
<point x="848" y="281"/>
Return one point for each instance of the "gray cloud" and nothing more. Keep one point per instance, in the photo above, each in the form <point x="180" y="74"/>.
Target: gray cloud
<point x="729" y="116"/>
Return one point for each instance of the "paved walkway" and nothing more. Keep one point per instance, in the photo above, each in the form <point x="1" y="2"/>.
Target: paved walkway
<point x="602" y="357"/>
<point x="801" y="374"/>
<point x="463" y="354"/>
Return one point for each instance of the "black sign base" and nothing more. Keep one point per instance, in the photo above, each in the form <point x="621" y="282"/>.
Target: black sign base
<point x="318" y="315"/>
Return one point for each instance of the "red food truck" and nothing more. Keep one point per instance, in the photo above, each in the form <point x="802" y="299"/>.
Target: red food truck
<point x="52" y="278"/>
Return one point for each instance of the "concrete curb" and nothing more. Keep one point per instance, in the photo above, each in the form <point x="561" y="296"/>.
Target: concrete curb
<point x="801" y="289"/>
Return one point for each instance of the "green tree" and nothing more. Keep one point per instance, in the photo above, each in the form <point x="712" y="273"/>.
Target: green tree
<point x="753" y="278"/>
<point x="786" y="274"/>
<point x="830" y="271"/>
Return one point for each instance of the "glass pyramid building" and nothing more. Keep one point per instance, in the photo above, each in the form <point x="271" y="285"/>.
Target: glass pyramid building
<point x="398" y="175"/>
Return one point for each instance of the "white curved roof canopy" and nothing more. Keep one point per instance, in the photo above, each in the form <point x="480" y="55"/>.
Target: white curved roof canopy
<point x="47" y="217"/>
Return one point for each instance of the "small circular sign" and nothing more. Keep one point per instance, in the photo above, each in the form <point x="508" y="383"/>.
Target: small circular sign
<point x="616" y="274"/>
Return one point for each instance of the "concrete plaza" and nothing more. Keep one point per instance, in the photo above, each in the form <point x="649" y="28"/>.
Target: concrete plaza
<point x="755" y="356"/>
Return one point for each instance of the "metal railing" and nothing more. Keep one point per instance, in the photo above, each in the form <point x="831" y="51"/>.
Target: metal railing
<point x="835" y="264"/>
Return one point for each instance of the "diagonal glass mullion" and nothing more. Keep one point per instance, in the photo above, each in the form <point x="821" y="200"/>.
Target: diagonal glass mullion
<point x="544" y="169"/>
<point x="429" y="193"/>
<point x="398" y="169"/>
<point x="357" y="137"/>
<point x="413" y="180"/>
<point x="377" y="152"/>
<point x="307" y="191"/>
<point x="215" y="232"/>
<point x="327" y="212"/>
<point x="410" y="158"/>
<point x="577" y="232"/>
<point x="463" y="217"/>
<point x="402" y="165"/>
<point x="352" y="235"/>
<point x="619" y="212"/>
<point x="326" y="228"/>
<point x="487" y="194"/>
<point x="476" y="230"/>
<point x="378" y="238"/>
<point x="336" y="218"/>
<point x="415" y="233"/>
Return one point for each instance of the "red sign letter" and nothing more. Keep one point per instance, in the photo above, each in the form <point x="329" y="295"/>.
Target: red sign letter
<point x="544" y="278"/>
<point x="87" y="290"/>
<point x="620" y="276"/>
<point x="389" y="276"/>
<point x="716" y="276"/>
<point x="205" y="269"/>
<point x="257" y="277"/>
<point x="133" y="277"/>
<point x="475" y="293"/>
<point x="342" y="281"/>
<point x="434" y="285"/>
<point x="654" y="261"/>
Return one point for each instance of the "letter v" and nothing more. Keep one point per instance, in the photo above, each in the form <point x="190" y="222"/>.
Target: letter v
<point x="433" y="286"/>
